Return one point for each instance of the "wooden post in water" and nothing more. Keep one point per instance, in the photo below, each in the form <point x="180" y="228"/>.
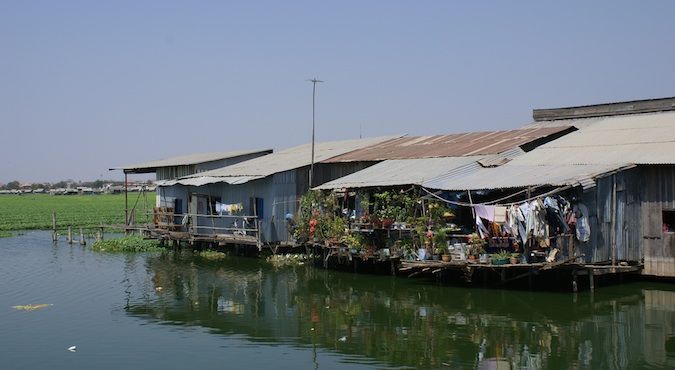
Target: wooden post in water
<point x="574" y="281"/>
<point x="100" y="232"/>
<point x="55" y="236"/>
<point x="82" y="241"/>
<point x="70" y="234"/>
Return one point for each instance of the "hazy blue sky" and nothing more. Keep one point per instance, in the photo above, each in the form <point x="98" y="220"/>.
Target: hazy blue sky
<point x="86" y="85"/>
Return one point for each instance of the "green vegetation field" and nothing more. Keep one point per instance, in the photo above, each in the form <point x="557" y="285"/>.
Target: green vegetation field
<point x="34" y="211"/>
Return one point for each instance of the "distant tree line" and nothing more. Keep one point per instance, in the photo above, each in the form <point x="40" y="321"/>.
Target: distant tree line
<point x="15" y="185"/>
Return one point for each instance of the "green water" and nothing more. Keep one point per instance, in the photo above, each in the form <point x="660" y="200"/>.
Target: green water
<point x="178" y="311"/>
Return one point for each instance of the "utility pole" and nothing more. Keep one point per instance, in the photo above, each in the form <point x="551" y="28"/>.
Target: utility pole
<point x="311" y="167"/>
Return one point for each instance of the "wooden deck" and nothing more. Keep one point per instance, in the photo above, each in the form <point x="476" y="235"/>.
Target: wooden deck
<point x="192" y="238"/>
<point x="508" y="273"/>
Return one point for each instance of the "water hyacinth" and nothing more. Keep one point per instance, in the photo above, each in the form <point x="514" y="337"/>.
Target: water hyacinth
<point x="211" y="255"/>
<point x="132" y="243"/>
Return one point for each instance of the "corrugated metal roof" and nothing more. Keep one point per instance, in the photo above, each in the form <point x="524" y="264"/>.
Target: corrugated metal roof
<point x="204" y="180"/>
<point x="635" y="139"/>
<point x="606" y="109"/>
<point x="475" y="177"/>
<point x="292" y="158"/>
<point x="190" y="159"/>
<point x="454" y="145"/>
<point x="399" y="172"/>
<point x="603" y="145"/>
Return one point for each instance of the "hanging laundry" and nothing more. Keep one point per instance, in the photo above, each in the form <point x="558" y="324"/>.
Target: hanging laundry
<point x="223" y="208"/>
<point x="486" y="212"/>
<point x="536" y="220"/>
<point x="480" y="226"/>
<point x="500" y="214"/>
<point x="555" y="217"/>
<point x="516" y="223"/>
<point x="583" y="224"/>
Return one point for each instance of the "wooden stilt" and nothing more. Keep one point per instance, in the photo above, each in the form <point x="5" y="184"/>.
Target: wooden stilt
<point x="82" y="241"/>
<point x="591" y="279"/>
<point x="55" y="236"/>
<point x="70" y="235"/>
<point x="574" y="281"/>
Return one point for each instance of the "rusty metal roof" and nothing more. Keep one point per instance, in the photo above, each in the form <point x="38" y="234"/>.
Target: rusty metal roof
<point x="453" y="145"/>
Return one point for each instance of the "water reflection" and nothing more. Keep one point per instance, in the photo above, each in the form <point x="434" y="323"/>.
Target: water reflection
<point x="409" y="323"/>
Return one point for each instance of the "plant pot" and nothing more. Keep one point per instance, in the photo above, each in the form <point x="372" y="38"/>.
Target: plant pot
<point x="472" y="257"/>
<point x="435" y="257"/>
<point x="514" y="260"/>
<point x="446" y="258"/>
<point x="501" y="261"/>
<point x="386" y="223"/>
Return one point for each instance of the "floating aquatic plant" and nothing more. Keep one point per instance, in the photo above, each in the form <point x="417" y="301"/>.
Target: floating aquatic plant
<point x="132" y="243"/>
<point x="211" y="255"/>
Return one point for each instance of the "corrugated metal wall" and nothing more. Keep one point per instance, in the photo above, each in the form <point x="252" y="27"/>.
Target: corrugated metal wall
<point x="173" y="172"/>
<point x="324" y="172"/>
<point x="658" y="194"/>
<point x="627" y="225"/>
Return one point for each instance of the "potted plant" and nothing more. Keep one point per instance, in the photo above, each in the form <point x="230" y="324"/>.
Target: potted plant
<point x="437" y="253"/>
<point x="441" y="238"/>
<point x="514" y="258"/>
<point x="476" y="246"/>
<point x="353" y="241"/>
<point x="501" y="258"/>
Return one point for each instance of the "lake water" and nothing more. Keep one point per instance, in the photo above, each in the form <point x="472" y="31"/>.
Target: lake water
<point x="179" y="311"/>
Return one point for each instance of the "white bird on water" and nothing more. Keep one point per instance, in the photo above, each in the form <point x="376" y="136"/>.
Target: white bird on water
<point x="72" y="348"/>
<point x="343" y="339"/>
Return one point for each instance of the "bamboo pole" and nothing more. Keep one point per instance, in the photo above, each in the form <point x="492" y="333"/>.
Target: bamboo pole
<point x="126" y="201"/>
<point x="612" y="231"/>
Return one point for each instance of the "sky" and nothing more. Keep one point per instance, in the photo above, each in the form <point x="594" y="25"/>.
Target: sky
<point x="89" y="85"/>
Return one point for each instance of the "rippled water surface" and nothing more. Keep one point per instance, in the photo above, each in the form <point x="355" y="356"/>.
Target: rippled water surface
<point x="180" y="311"/>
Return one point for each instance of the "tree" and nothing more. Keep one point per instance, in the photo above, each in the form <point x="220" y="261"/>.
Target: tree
<point x="13" y="185"/>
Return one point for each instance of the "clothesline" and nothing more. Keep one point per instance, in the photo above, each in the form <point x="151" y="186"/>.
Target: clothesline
<point x="495" y="202"/>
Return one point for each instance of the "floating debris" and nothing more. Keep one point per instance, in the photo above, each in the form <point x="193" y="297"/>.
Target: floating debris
<point x="286" y="260"/>
<point x="32" y="307"/>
